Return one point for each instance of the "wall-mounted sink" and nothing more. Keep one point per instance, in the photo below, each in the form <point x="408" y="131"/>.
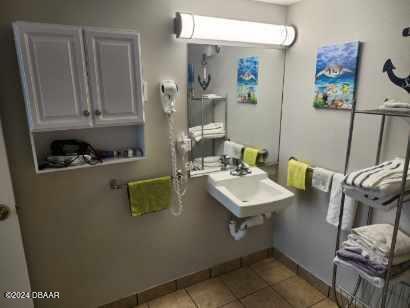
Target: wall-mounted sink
<point x="249" y="195"/>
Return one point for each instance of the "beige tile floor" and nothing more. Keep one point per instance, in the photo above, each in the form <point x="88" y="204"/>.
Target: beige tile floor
<point x="266" y="284"/>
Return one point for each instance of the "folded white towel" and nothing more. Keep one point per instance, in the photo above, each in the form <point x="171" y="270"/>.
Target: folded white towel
<point x="233" y="149"/>
<point x="397" y="109"/>
<point x="211" y="135"/>
<point x="378" y="282"/>
<point x="212" y="96"/>
<point x="349" y="211"/>
<point x="368" y="198"/>
<point x="214" y="125"/>
<point x="209" y="161"/>
<point x="379" y="236"/>
<point x="354" y="240"/>
<point x="321" y="179"/>
<point x="391" y="103"/>
<point x="382" y="180"/>
<point x="209" y="131"/>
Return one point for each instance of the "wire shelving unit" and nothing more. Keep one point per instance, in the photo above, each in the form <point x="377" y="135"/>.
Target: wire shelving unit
<point x="205" y="101"/>
<point x="388" y="276"/>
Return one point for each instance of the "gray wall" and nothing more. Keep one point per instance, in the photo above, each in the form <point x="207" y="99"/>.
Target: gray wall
<point x="242" y="118"/>
<point x="320" y="136"/>
<point x="78" y="235"/>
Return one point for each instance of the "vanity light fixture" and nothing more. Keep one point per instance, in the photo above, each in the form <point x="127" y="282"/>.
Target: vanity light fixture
<point x="205" y="28"/>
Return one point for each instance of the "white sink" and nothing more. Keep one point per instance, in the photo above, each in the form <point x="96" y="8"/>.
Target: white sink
<point x="249" y="195"/>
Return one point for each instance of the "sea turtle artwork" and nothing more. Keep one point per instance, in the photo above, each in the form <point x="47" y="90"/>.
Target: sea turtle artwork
<point x="335" y="77"/>
<point x="247" y="80"/>
<point x="388" y="68"/>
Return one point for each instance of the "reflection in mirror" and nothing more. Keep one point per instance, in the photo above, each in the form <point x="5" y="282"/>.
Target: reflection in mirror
<point x="234" y="106"/>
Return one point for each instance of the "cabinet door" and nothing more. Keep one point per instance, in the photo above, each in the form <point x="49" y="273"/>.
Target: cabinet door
<point x="53" y="73"/>
<point x="115" y="78"/>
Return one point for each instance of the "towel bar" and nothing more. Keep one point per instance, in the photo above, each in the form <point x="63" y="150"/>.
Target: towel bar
<point x="310" y="169"/>
<point x="117" y="185"/>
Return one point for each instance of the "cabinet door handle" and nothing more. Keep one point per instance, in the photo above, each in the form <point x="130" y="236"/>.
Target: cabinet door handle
<point x="4" y="212"/>
<point x="97" y="112"/>
<point x="86" y="113"/>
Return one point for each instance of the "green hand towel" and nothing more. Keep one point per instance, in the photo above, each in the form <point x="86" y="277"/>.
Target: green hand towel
<point x="250" y="155"/>
<point x="297" y="172"/>
<point x="148" y="196"/>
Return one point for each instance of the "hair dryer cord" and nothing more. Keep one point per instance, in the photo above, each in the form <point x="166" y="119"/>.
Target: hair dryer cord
<point x="179" y="178"/>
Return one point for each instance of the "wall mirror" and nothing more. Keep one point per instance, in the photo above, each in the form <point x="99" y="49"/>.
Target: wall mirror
<point x="234" y="94"/>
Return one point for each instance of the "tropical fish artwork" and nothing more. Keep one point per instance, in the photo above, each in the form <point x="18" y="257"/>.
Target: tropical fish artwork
<point x="335" y="77"/>
<point x="247" y="80"/>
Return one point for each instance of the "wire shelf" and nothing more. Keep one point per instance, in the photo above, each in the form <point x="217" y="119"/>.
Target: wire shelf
<point x="382" y="112"/>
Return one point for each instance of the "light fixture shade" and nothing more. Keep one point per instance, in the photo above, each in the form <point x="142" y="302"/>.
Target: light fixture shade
<point x="204" y="28"/>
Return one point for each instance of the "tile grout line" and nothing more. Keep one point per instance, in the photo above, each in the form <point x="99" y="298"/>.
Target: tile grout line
<point x="298" y="268"/>
<point x="230" y="290"/>
<point x="281" y="296"/>
<point x="323" y="299"/>
<point x="233" y="294"/>
<point x="265" y="287"/>
<point x="239" y="299"/>
<point x="271" y="284"/>
<point x="190" y="296"/>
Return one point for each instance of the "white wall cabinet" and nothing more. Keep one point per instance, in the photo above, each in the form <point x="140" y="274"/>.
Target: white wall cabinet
<point x="81" y="83"/>
<point x="75" y="82"/>
<point x="114" y="70"/>
<point x="53" y="71"/>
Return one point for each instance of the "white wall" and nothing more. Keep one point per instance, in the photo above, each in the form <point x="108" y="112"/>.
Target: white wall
<point x="79" y="236"/>
<point x="253" y="125"/>
<point x="320" y="136"/>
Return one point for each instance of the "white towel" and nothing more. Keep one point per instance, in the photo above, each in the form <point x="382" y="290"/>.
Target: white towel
<point x="199" y="137"/>
<point x="214" y="125"/>
<point x="321" y="179"/>
<point x="378" y="282"/>
<point x="391" y="103"/>
<point x="233" y="149"/>
<point x="372" y="251"/>
<point x="212" y="96"/>
<point x="209" y="131"/>
<point x="368" y="198"/>
<point x="381" y="180"/>
<point x="209" y="161"/>
<point x="349" y="212"/>
<point x="397" y="109"/>
<point x="379" y="236"/>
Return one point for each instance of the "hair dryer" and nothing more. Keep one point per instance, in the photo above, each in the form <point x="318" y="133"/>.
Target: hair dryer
<point x="169" y="91"/>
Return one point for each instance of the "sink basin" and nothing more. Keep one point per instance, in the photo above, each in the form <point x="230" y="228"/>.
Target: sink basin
<point x="249" y="195"/>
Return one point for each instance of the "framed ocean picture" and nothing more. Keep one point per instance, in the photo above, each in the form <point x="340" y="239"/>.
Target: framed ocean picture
<point x="247" y="80"/>
<point x="335" y="77"/>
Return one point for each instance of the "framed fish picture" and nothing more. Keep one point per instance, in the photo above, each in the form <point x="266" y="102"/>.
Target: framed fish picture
<point x="336" y="73"/>
<point x="247" y="80"/>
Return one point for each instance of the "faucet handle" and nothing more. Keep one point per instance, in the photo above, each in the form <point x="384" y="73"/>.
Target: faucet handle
<point x="225" y="161"/>
<point x="224" y="157"/>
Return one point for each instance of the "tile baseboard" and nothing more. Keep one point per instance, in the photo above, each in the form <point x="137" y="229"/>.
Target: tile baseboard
<point x="188" y="280"/>
<point x="215" y="271"/>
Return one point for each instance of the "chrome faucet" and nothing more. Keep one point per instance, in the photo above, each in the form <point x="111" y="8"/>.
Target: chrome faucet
<point x="241" y="168"/>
